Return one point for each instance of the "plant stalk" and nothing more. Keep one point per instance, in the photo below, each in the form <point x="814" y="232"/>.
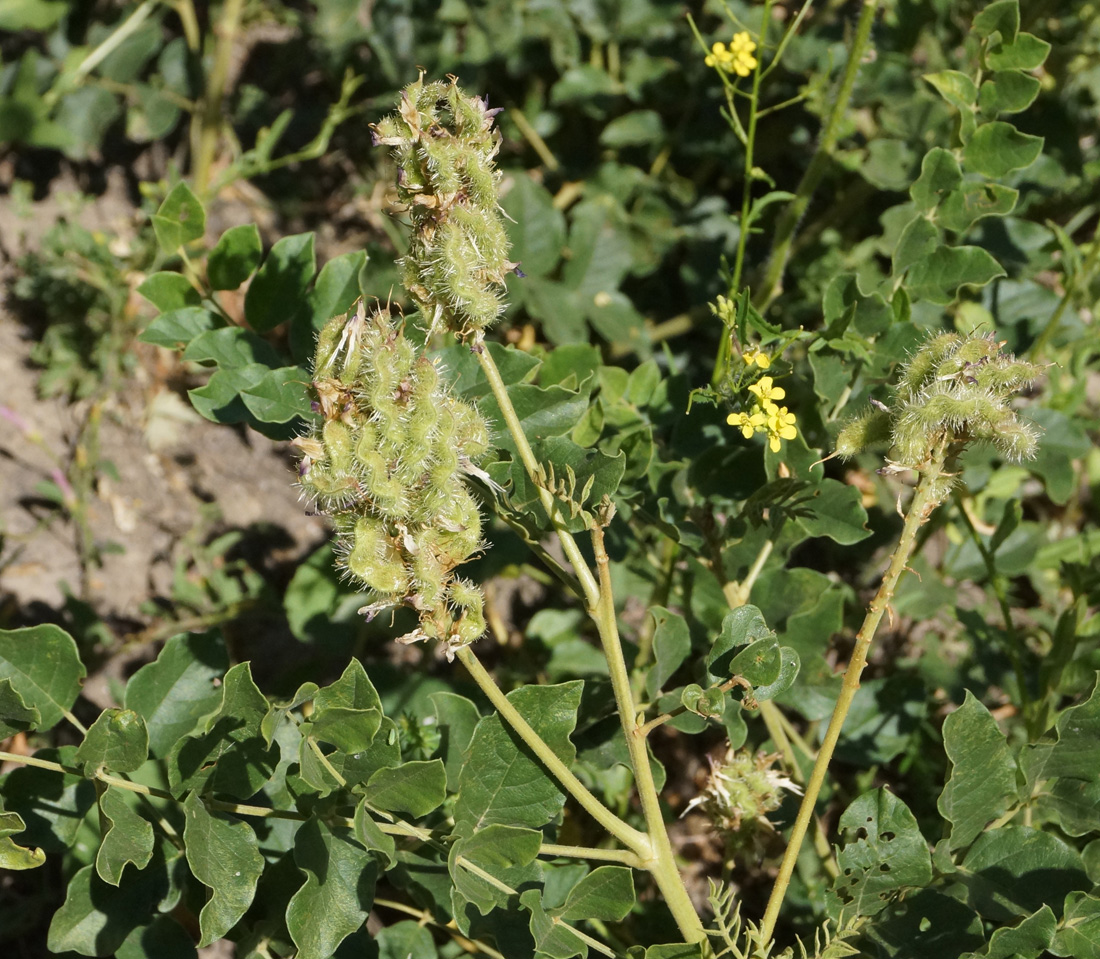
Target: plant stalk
<point x="662" y="865"/>
<point x="210" y="122"/>
<point x="924" y="501"/>
<point x="527" y="457"/>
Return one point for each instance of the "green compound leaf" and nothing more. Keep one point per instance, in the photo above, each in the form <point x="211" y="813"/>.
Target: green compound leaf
<point x="334" y="292"/>
<point x="220" y="401"/>
<point x="789" y="665"/>
<point x="1074" y="804"/>
<point x="234" y="258"/>
<point x="281" y="396"/>
<point x="741" y="627"/>
<point x="179" y="687"/>
<point x="169" y="291"/>
<point x="505" y="853"/>
<point x="415" y="788"/>
<point x="998" y="148"/>
<point x="671" y="645"/>
<point x="938" y="276"/>
<point x="552" y="937"/>
<point x="456" y="718"/>
<point x="353" y="689"/>
<point x="370" y="834"/>
<point x="230" y="754"/>
<point x="15" y="715"/>
<point x="836" y="511"/>
<point x="52" y="805"/>
<point x="350" y="730"/>
<point x="232" y="348"/>
<point x="163" y="937"/>
<point x="117" y="740"/>
<point x="1013" y="871"/>
<point x="1008" y="91"/>
<point x="972" y="201"/>
<point x="405" y="940"/>
<point x="278" y="291"/>
<point x="606" y="893"/>
<point x="1027" y="52"/>
<point x="1075" y="754"/>
<point x="982" y="784"/>
<point x="918" y="240"/>
<point x="1001" y="16"/>
<point x="1028" y="939"/>
<point x="128" y="837"/>
<point x="1079" y="936"/>
<point x="956" y="88"/>
<point x="12" y="855"/>
<point x="759" y="662"/>
<point x="535" y="226"/>
<point x="44" y="668"/>
<point x="179" y="220"/>
<point x="96" y="918"/>
<point x="223" y="855"/>
<point x="940" y="175"/>
<point x="177" y="328"/>
<point x="880" y="831"/>
<point x="336" y="897"/>
<point x="501" y="782"/>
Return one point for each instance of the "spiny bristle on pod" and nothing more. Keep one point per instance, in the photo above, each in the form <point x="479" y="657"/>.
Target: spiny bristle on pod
<point x="444" y="145"/>
<point x="385" y="460"/>
<point x="955" y="388"/>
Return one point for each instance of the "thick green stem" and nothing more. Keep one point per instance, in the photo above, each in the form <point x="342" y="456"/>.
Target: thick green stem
<point x="625" y="833"/>
<point x="924" y="501"/>
<point x="788" y="222"/>
<point x="654" y="849"/>
<point x="527" y="457"/>
<point x="210" y="123"/>
<point x="662" y="864"/>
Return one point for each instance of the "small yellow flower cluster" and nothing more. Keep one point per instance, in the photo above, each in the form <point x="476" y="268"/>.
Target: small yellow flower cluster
<point x="737" y="58"/>
<point x="768" y="416"/>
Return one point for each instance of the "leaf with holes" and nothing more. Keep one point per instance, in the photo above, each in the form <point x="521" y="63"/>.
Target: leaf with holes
<point x="883" y="853"/>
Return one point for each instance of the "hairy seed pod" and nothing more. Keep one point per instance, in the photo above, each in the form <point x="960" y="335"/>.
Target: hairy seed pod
<point x="385" y="461"/>
<point x="867" y="429"/>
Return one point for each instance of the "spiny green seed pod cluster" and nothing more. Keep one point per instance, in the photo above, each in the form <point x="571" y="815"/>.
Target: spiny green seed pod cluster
<point x="740" y="791"/>
<point x="444" y="144"/>
<point x="958" y="387"/>
<point x="388" y="463"/>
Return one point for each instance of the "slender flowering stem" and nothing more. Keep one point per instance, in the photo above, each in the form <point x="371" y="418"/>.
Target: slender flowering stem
<point x="924" y="501"/>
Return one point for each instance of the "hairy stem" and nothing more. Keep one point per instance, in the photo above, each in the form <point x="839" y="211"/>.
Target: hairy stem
<point x="925" y="499"/>
<point x="788" y="221"/>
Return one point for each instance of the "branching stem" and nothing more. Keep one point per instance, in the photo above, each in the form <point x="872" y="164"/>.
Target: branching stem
<point x="924" y="501"/>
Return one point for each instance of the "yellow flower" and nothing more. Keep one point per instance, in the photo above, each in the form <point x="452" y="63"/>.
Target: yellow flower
<point x="779" y="426"/>
<point x="755" y="356"/>
<point x="748" y="423"/>
<point x="737" y="58"/>
<point x="766" y="394"/>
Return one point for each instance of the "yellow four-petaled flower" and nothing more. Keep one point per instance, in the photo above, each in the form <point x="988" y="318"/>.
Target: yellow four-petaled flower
<point x="737" y="58"/>
<point x="776" y="421"/>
